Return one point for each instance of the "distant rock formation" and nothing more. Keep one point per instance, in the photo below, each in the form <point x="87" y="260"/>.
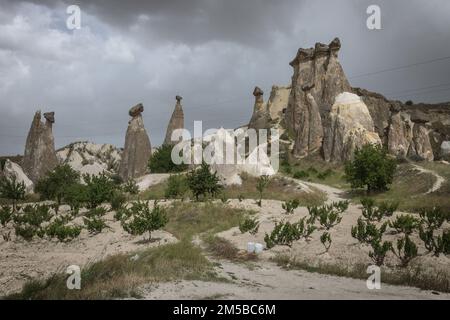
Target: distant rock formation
<point x="39" y="156"/>
<point x="318" y="123"/>
<point x="86" y="157"/>
<point x="350" y="127"/>
<point x="176" y="121"/>
<point x="137" y="150"/>
<point x="260" y="117"/>
<point x="318" y="78"/>
<point x="13" y="170"/>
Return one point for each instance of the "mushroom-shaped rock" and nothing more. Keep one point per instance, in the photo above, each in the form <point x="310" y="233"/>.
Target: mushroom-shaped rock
<point x="260" y="117"/>
<point x="176" y="121"/>
<point x="137" y="150"/>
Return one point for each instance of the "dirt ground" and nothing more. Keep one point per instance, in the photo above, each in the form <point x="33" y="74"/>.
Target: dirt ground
<point x="21" y="261"/>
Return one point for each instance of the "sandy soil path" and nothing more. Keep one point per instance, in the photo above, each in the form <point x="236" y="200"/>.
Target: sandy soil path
<point x="437" y="183"/>
<point x="269" y="281"/>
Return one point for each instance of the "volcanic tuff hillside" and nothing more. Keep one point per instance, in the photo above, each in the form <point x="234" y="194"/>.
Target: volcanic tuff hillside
<point x="318" y="123"/>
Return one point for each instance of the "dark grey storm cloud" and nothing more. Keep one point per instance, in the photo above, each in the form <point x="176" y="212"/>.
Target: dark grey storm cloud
<point x="211" y="52"/>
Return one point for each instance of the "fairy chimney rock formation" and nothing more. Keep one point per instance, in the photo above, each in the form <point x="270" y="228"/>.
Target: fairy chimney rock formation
<point x="40" y="156"/>
<point x="176" y="121"/>
<point x="260" y="117"/>
<point x="318" y="78"/>
<point x="137" y="150"/>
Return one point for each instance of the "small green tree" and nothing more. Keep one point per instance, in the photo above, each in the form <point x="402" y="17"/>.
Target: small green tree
<point x="145" y="220"/>
<point x="290" y="206"/>
<point x="177" y="186"/>
<point x="130" y="187"/>
<point x="371" y="168"/>
<point x="404" y="223"/>
<point x="99" y="189"/>
<point x="6" y="214"/>
<point x="325" y="239"/>
<point x="12" y="190"/>
<point x="55" y="185"/>
<point x="373" y="212"/>
<point x="261" y="185"/>
<point x="406" y="250"/>
<point x="202" y="182"/>
<point x="249" y="224"/>
<point x="161" y="161"/>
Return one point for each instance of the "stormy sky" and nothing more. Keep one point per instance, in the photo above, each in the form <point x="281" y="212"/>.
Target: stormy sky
<point x="211" y="52"/>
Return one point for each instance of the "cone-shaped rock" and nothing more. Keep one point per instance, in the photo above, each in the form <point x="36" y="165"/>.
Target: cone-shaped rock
<point x="40" y="156"/>
<point x="175" y="122"/>
<point x="260" y="117"/>
<point x="137" y="150"/>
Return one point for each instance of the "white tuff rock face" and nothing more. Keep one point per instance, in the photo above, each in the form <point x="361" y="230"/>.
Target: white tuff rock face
<point x="12" y="169"/>
<point x="90" y="158"/>
<point x="351" y="126"/>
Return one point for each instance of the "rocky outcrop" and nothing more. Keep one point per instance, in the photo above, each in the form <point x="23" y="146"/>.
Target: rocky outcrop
<point x="350" y="127"/>
<point x="87" y="157"/>
<point x="12" y="170"/>
<point x="400" y="135"/>
<point x="277" y="103"/>
<point x="39" y="156"/>
<point x="176" y="121"/>
<point x="260" y="117"/>
<point x="318" y="78"/>
<point x="137" y="150"/>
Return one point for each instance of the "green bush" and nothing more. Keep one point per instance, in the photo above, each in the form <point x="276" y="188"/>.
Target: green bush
<point x="371" y="168"/>
<point x="117" y="200"/>
<point x="75" y="196"/>
<point x="290" y="205"/>
<point x="379" y="251"/>
<point x="328" y="215"/>
<point x="12" y="190"/>
<point x="99" y="189"/>
<point x="56" y="184"/>
<point x="96" y="212"/>
<point x="94" y="224"/>
<point x="144" y="220"/>
<point x="6" y="214"/>
<point x="261" y="184"/>
<point x="376" y="213"/>
<point x="300" y="174"/>
<point x="130" y="187"/>
<point x="28" y="222"/>
<point x="325" y="174"/>
<point x="177" y="187"/>
<point x="58" y="229"/>
<point x="367" y="232"/>
<point x="325" y="239"/>
<point x="406" y="250"/>
<point x="202" y="182"/>
<point x="285" y="233"/>
<point x="249" y="224"/>
<point x="432" y="218"/>
<point x="404" y="223"/>
<point x="161" y="161"/>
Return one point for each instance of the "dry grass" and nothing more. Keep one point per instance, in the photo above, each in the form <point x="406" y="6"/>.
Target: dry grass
<point x="413" y="276"/>
<point x="120" y="276"/>
<point x="224" y="249"/>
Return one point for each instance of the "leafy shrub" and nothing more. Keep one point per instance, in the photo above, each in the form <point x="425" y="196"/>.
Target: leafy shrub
<point x="117" y="200"/>
<point x="367" y="232"/>
<point x="161" y="161"/>
<point x="130" y="187"/>
<point x="325" y="239"/>
<point x="290" y="205"/>
<point x="144" y="220"/>
<point x="33" y="215"/>
<point x="58" y="229"/>
<point x="300" y="174"/>
<point x="406" y="250"/>
<point x="75" y="196"/>
<point x="325" y="174"/>
<point x="94" y="224"/>
<point x="96" y="212"/>
<point x="12" y="190"/>
<point x="249" y="224"/>
<point x="372" y="168"/>
<point x="202" y="182"/>
<point x="377" y="213"/>
<point x="285" y="233"/>
<point x="432" y="218"/>
<point x="6" y="214"/>
<point x="177" y="187"/>
<point x="328" y="215"/>
<point x="261" y="185"/>
<point x="404" y="224"/>
<point x="25" y="231"/>
<point x="99" y="189"/>
<point x="379" y="251"/>
<point x="55" y="185"/>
